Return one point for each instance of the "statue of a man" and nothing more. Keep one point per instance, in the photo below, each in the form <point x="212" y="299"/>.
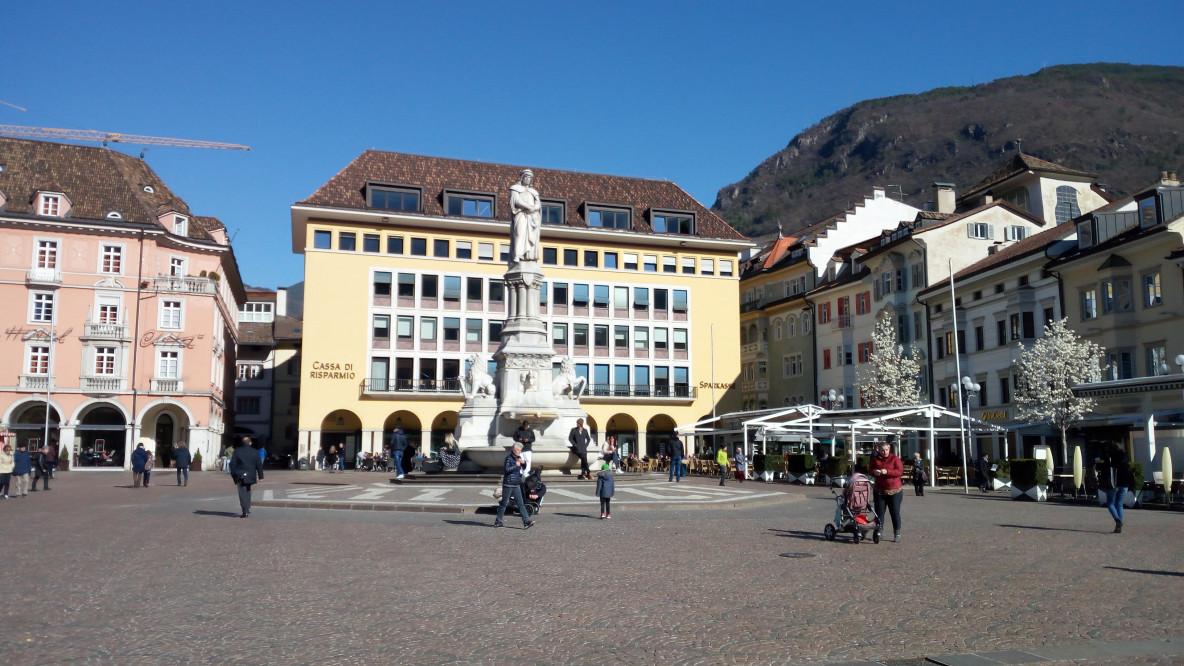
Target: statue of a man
<point x="528" y="218"/>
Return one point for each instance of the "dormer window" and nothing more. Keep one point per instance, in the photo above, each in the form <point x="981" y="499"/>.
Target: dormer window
<point x="114" y="215"/>
<point x="1067" y="207"/>
<point x="665" y="222"/>
<point x="554" y="212"/>
<point x="51" y="205"/>
<point x="393" y="197"/>
<point x="1147" y="214"/>
<point x="149" y="189"/>
<point x="609" y="218"/>
<point x="469" y="204"/>
<point x="181" y="225"/>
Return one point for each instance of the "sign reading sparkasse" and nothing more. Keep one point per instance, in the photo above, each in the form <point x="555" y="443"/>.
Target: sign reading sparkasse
<point x="331" y="370"/>
<point x="718" y="385"/>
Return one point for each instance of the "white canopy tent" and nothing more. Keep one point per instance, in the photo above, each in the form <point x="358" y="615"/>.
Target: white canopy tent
<point x="870" y="423"/>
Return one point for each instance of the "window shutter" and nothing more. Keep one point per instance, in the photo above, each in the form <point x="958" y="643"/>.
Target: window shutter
<point x="876" y="289"/>
<point x="991" y="231"/>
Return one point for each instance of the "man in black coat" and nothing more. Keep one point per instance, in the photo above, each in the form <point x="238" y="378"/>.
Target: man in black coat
<point x="246" y="469"/>
<point x="525" y="436"/>
<point x="398" y="445"/>
<point x="182" y="460"/>
<point x="579" y="440"/>
<point x="675" y="451"/>
<point x="41" y="467"/>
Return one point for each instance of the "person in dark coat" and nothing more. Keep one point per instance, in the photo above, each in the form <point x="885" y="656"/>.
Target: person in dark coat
<point x="525" y="436"/>
<point x="1115" y="478"/>
<point x="398" y="444"/>
<point x="983" y="468"/>
<point x="675" y="451"/>
<point x="182" y="460"/>
<point x="41" y="467"/>
<point x="579" y="440"/>
<point x="605" y="487"/>
<point x="512" y="488"/>
<point x="246" y="469"/>
<point x="139" y="464"/>
<point x="21" y="465"/>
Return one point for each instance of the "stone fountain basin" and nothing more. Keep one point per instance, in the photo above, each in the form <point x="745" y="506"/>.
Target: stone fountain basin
<point x="494" y="457"/>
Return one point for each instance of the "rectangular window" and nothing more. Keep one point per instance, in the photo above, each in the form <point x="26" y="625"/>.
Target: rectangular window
<point x="682" y="379"/>
<point x="429" y="286"/>
<point x="559" y="294"/>
<point x="47" y="254"/>
<point x="503" y="253"/>
<point x="902" y="329"/>
<point x="50" y="204"/>
<point x="43" y="306"/>
<point x="680" y="339"/>
<point x="427" y="329"/>
<point x="649" y="263"/>
<point x="464" y="250"/>
<point x="1028" y="320"/>
<point x="105" y="360"/>
<point x="451" y="329"/>
<point x="370" y="243"/>
<point x="168" y="365"/>
<point x="1000" y="332"/>
<point x="600" y="296"/>
<point x="469" y="205"/>
<point x="661" y="300"/>
<point x="452" y="288"/>
<point x="39" y="360"/>
<point x="621" y="298"/>
<point x="688" y="265"/>
<point x="1122" y="365"/>
<point x="579" y="296"/>
<point x="707" y="267"/>
<point x="608" y="218"/>
<point x="669" y="264"/>
<point x="1004" y="390"/>
<point x="641" y="298"/>
<point x="405" y="328"/>
<point x="381" y="328"/>
<point x="552" y="213"/>
<point x="440" y="248"/>
<point x="347" y="241"/>
<point x="979" y="339"/>
<point x="419" y="247"/>
<point x="600" y="336"/>
<point x="248" y="371"/>
<point x="669" y="223"/>
<point x="630" y="262"/>
<point x="485" y="251"/>
<point x="641" y="380"/>
<point x="725" y="268"/>
<point x="559" y="335"/>
<point x="495" y="329"/>
<point x="406" y="285"/>
<point x="550" y="256"/>
<point x="497" y="291"/>
<point x="680" y="300"/>
<point x="474" y="286"/>
<point x="660" y="339"/>
<point x="382" y="284"/>
<point x="472" y="330"/>
<point x="1157" y="361"/>
<point x="826" y="359"/>
<point x="610" y="260"/>
<point x="979" y="230"/>
<point x="591" y="259"/>
<point x="579" y="335"/>
<point x="112" y="259"/>
<point x="394" y="245"/>
<point x="405" y="199"/>
<point x="621" y="337"/>
<point x="247" y="405"/>
<point x="571" y="257"/>
<point x="1152" y="291"/>
<point x="1089" y="304"/>
<point x="108" y="311"/>
<point x="170" y="314"/>
<point x="322" y="240"/>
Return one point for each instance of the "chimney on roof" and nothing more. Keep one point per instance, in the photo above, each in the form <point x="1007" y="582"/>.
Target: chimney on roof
<point x="1168" y="179"/>
<point x="945" y="197"/>
<point x="877" y="192"/>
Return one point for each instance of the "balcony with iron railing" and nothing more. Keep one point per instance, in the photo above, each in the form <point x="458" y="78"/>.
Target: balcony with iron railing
<point x="640" y="391"/>
<point x="44" y="276"/>
<point x="184" y="285"/>
<point x="376" y="387"/>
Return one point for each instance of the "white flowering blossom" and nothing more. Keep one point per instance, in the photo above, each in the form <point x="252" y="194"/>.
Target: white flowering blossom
<point x="1048" y="371"/>
<point x="893" y="379"/>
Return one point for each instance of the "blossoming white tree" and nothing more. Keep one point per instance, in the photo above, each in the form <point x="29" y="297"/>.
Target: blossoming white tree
<point x="1048" y="371"/>
<point x="893" y="379"/>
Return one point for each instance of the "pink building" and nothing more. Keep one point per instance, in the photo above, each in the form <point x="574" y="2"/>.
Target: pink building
<point x="120" y="308"/>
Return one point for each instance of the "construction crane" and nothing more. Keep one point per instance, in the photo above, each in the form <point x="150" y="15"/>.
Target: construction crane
<point x="113" y="137"/>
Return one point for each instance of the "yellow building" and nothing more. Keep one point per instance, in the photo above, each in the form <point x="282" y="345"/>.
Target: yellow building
<point x="404" y="260"/>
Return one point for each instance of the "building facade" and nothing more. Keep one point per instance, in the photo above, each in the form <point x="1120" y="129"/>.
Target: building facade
<point x="404" y="258"/>
<point x="121" y="325"/>
<point x="254" y="377"/>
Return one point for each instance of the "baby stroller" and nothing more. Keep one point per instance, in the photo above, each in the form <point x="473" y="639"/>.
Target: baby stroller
<point x="854" y="512"/>
<point x="533" y="492"/>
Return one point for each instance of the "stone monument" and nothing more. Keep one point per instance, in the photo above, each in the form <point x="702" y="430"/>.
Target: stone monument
<point x="524" y="386"/>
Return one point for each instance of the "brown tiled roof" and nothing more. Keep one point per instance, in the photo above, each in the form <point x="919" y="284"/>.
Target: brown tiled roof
<point x="1020" y="163"/>
<point x="255" y="333"/>
<point x="96" y="180"/>
<point x="287" y="328"/>
<point x="435" y="174"/>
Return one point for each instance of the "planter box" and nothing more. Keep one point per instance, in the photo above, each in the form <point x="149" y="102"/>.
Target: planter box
<point x="837" y="481"/>
<point x="767" y="476"/>
<point x="804" y="478"/>
<point x="1035" y="494"/>
<point x="1129" y="500"/>
<point x="999" y="483"/>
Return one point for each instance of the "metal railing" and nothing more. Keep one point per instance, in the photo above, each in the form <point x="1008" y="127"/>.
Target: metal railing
<point x="381" y="385"/>
<point x="639" y="391"/>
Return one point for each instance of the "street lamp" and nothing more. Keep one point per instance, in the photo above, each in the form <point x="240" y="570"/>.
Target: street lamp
<point x="834" y="399"/>
<point x="964" y="392"/>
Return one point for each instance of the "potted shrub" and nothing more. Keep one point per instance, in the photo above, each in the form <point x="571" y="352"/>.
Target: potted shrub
<point x="195" y="464"/>
<point x="1002" y="477"/>
<point x="767" y="466"/>
<point x="64" y="459"/>
<point x="837" y="470"/>
<point x="1134" y="494"/>
<point x="1029" y="479"/>
<point x="800" y="468"/>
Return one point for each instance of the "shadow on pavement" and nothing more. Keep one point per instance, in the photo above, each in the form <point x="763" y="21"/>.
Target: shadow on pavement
<point x="317" y="483"/>
<point x="467" y="522"/>
<point x="1054" y="529"/>
<point x="1147" y="571"/>
<point x="224" y="514"/>
<point x="577" y="515"/>
<point x="799" y="534"/>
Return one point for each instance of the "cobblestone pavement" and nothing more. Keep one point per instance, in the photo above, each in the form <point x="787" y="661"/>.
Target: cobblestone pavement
<point x="100" y="572"/>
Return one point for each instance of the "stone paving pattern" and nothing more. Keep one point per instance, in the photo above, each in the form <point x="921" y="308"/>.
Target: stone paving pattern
<point x="100" y="572"/>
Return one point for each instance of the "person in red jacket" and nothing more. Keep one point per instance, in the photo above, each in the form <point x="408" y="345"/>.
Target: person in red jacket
<point x="886" y="469"/>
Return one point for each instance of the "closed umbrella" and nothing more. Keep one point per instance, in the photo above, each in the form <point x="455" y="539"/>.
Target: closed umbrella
<point x="1167" y="473"/>
<point x="1078" y="473"/>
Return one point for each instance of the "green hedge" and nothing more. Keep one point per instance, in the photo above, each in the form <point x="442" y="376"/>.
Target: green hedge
<point x="800" y="463"/>
<point x="1027" y="472"/>
<point x="1004" y="470"/>
<point x="769" y="462"/>
<point x="862" y="464"/>
<point x="1137" y="476"/>
<point x="836" y="466"/>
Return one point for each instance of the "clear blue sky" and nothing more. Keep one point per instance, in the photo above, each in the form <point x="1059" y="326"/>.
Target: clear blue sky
<point x="697" y="92"/>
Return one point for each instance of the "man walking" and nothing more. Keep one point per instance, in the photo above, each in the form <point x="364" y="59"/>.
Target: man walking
<point x="512" y="487"/>
<point x="398" y="444"/>
<point x="579" y="440"/>
<point x="182" y="460"/>
<point x="246" y="469"/>
<point x="21" y="465"/>
<point x="675" y="451"/>
<point x="721" y="459"/>
<point x="41" y="467"/>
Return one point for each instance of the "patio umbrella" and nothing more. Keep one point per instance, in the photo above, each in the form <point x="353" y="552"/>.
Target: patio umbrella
<point x="1078" y="473"/>
<point x="1167" y="470"/>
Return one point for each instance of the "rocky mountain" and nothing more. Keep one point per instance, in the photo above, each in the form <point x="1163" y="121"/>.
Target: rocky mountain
<point x="1123" y="122"/>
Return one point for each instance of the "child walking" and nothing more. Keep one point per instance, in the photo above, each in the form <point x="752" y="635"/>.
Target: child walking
<point x="605" y="486"/>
